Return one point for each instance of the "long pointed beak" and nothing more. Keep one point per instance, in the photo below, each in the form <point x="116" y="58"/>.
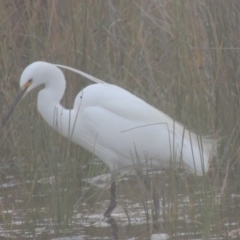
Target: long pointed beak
<point x="17" y="99"/>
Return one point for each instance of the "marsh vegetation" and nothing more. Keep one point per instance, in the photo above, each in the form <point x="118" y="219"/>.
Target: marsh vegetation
<point x="179" y="56"/>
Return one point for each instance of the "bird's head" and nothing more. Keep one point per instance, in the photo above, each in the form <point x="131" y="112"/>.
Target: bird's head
<point x="36" y="74"/>
<point x="33" y="75"/>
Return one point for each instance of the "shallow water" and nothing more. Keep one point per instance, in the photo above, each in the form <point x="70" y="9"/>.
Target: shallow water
<point x="28" y="213"/>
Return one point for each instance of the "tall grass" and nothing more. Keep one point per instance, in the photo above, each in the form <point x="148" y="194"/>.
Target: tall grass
<point x="180" y="56"/>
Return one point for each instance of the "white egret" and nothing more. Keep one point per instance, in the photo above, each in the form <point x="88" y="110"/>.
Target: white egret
<point x="115" y="125"/>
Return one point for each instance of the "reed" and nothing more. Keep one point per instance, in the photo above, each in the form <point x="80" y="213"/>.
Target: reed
<point x="180" y="56"/>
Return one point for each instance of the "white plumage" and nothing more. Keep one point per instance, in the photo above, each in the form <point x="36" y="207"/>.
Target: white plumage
<point x="115" y="125"/>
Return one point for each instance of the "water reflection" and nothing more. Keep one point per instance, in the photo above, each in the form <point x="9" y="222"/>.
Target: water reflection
<point x="114" y="227"/>
<point x="189" y="209"/>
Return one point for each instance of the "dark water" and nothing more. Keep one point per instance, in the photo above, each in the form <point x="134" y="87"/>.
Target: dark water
<point x="189" y="209"/>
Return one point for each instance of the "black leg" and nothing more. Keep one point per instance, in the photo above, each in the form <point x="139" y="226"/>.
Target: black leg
<point x="113" y="201"/>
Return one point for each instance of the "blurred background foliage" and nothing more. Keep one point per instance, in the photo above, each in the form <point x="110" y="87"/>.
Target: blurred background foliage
<point x="180" y="56"/>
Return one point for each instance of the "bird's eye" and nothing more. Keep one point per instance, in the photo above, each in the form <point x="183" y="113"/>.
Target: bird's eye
<point x="27" y="84"/>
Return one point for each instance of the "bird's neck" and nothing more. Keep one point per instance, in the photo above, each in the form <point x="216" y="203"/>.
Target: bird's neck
<point x="53" y="112"/>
